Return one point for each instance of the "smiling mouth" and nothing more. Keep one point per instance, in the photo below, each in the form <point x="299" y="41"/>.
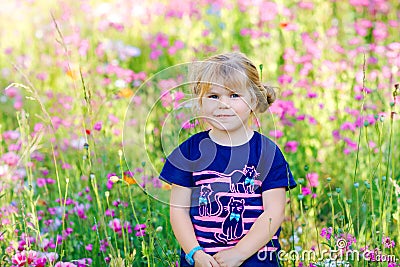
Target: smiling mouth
<point x="224" y="116"/>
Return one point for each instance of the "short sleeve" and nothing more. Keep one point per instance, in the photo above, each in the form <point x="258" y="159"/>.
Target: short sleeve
<point x="177" y="168"/>
<point x="279" y="175"/>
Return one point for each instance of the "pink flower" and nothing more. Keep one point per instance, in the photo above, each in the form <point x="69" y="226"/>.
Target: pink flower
<point x="97" y="126"/>
<point x="109" y="212"/>
<point x="326" y="232"/>
<point x="348" y="126"/>
<point x="89" y="247"/>
<point x="41" y="182"/>
<point x="284" y="79"/>
<point x="276" y="134"/>
<point x="40" y="262"/>
<point x="10" y="158"/>
<point x="113" y="119"/>
<point x="11" y="135"/>
<point x="50" y="181"/>
<point x="84" y="262"/>
<point x="11" y="92"/>
<point x="65" y="264"/>
<point x="272" y="11"/>
<point x="388" y="243"/>
<point x="140" y="229"/>
<point x="19" y="259"/>
<point x="312" y="179"/>
<point x="291" y="146"/>
<point x="306" y="5"/>
<point x="305" y="191"/>
<point x="115" y="224"/>
<point x="51" y="256"/>
<point x="380" y="31"/>
<point x="42" y="76"/>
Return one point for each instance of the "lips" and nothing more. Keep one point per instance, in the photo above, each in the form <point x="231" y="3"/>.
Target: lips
<point x="224" y="116"/>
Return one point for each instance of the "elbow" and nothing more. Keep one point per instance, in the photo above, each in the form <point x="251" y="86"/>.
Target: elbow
<point x="275" y="216"/>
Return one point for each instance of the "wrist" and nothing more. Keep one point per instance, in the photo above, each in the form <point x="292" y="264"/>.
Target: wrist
<point x="190" y="256"/>
<point x="198" y="254"/>
<point x="240" y="252"/>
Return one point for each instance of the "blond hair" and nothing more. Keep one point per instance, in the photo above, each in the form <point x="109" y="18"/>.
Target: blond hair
<point x="230" y="70"/>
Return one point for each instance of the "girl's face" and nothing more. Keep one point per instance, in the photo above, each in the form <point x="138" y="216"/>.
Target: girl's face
<point x="227" y="110"/>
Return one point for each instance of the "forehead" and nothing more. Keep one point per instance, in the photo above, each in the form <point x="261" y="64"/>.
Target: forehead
<point x="236" y="83"/>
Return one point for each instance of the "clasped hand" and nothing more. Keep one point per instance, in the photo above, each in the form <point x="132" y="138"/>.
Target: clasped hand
<point x="226" y="258"/>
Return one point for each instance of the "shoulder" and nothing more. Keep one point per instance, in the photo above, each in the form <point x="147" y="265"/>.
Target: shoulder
<point x="265" y="142"/>
<point x="269" y="147"/>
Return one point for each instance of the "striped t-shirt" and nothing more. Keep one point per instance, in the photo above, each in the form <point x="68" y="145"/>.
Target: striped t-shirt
<point x="227" y="185"/>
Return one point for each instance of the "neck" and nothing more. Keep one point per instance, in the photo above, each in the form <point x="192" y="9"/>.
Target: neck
<point x="233" y="138"/>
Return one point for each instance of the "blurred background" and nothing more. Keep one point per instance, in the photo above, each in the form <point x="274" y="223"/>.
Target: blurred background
<point x="79" y="77"/>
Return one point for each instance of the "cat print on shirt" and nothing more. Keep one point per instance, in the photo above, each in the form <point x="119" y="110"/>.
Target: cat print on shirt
<point x="247" y="175"/>
<point x="204" y="200"/>
<point x="251" y="174"/>
<point x="239" y="181"/>
<point x="232" y="226"/>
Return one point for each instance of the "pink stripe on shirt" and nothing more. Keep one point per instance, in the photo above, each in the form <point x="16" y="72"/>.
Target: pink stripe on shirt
<point x="218" y="249"/>
<point x="222" y="180"/>
<point x="220" y="219"/>
<point x="210" y="241"/>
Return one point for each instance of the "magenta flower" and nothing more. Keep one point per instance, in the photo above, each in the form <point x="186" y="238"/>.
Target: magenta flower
<point x="89" y="247"/>
<point x="109" y="212"/>
<point x="305" y="191"/>
<point x="103" y="245"/>
<point x="10" y="158"/>
<point x="41" y="182"/>
<point x="326" y="232"/>
<point x="65" y="264"/>
<point x="115" y="225"/>
<point x="291" y="146"/>
<point x="19" y="259"/>
<point x="140" y="229"/>
<point x="84" y="262"/>
<point x="348" y="126"/>
<point x="51" y="256"/>
<point x="388" y="243"/>
<point x="97" y="126"/>
<point x="312" y="179"/>
<point x="113" y="119"/>
<point x="380" y="32"/>
<point x="40" y="262"/>
<point x="276" y="134"/>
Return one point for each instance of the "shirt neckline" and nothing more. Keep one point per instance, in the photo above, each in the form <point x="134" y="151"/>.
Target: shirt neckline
<point x="231" y="147"/>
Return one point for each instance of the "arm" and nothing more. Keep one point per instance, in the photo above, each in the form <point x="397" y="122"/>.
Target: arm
<point x="183" y="227"/>
<point x="261" y="232"/>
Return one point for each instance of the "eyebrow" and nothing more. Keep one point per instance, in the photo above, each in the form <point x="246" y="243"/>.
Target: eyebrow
<point x="229" y="91"/>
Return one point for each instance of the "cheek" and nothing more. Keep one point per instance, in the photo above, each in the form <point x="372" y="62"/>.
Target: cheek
<point x="242" y="107"/>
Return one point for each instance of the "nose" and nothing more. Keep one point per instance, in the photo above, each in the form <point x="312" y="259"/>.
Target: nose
<point x="224" y="102"/>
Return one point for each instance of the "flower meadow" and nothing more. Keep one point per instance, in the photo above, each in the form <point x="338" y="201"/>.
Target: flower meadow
<point x="88" y="115"/>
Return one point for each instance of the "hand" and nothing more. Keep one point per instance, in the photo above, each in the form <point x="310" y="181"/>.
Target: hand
<point x="229" y="258"/>
<point x="202" y="259"/>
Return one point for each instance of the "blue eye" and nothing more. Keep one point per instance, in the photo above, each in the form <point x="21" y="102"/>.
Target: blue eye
<point x="234" y="95"/>
<point x="213" y="96"/>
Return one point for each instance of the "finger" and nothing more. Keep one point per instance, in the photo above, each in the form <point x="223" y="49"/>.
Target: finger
<point x="214" y="263"/>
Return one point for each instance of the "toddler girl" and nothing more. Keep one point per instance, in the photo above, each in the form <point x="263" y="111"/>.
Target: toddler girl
<point x="228" y="183"/>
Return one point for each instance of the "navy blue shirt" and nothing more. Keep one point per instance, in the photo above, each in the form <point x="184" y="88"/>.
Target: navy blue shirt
<point x="227" y="184"/>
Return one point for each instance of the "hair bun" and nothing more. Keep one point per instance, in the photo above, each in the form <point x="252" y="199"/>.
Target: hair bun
<point x="266" y="98"/>
<point x="271" y="94"/>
